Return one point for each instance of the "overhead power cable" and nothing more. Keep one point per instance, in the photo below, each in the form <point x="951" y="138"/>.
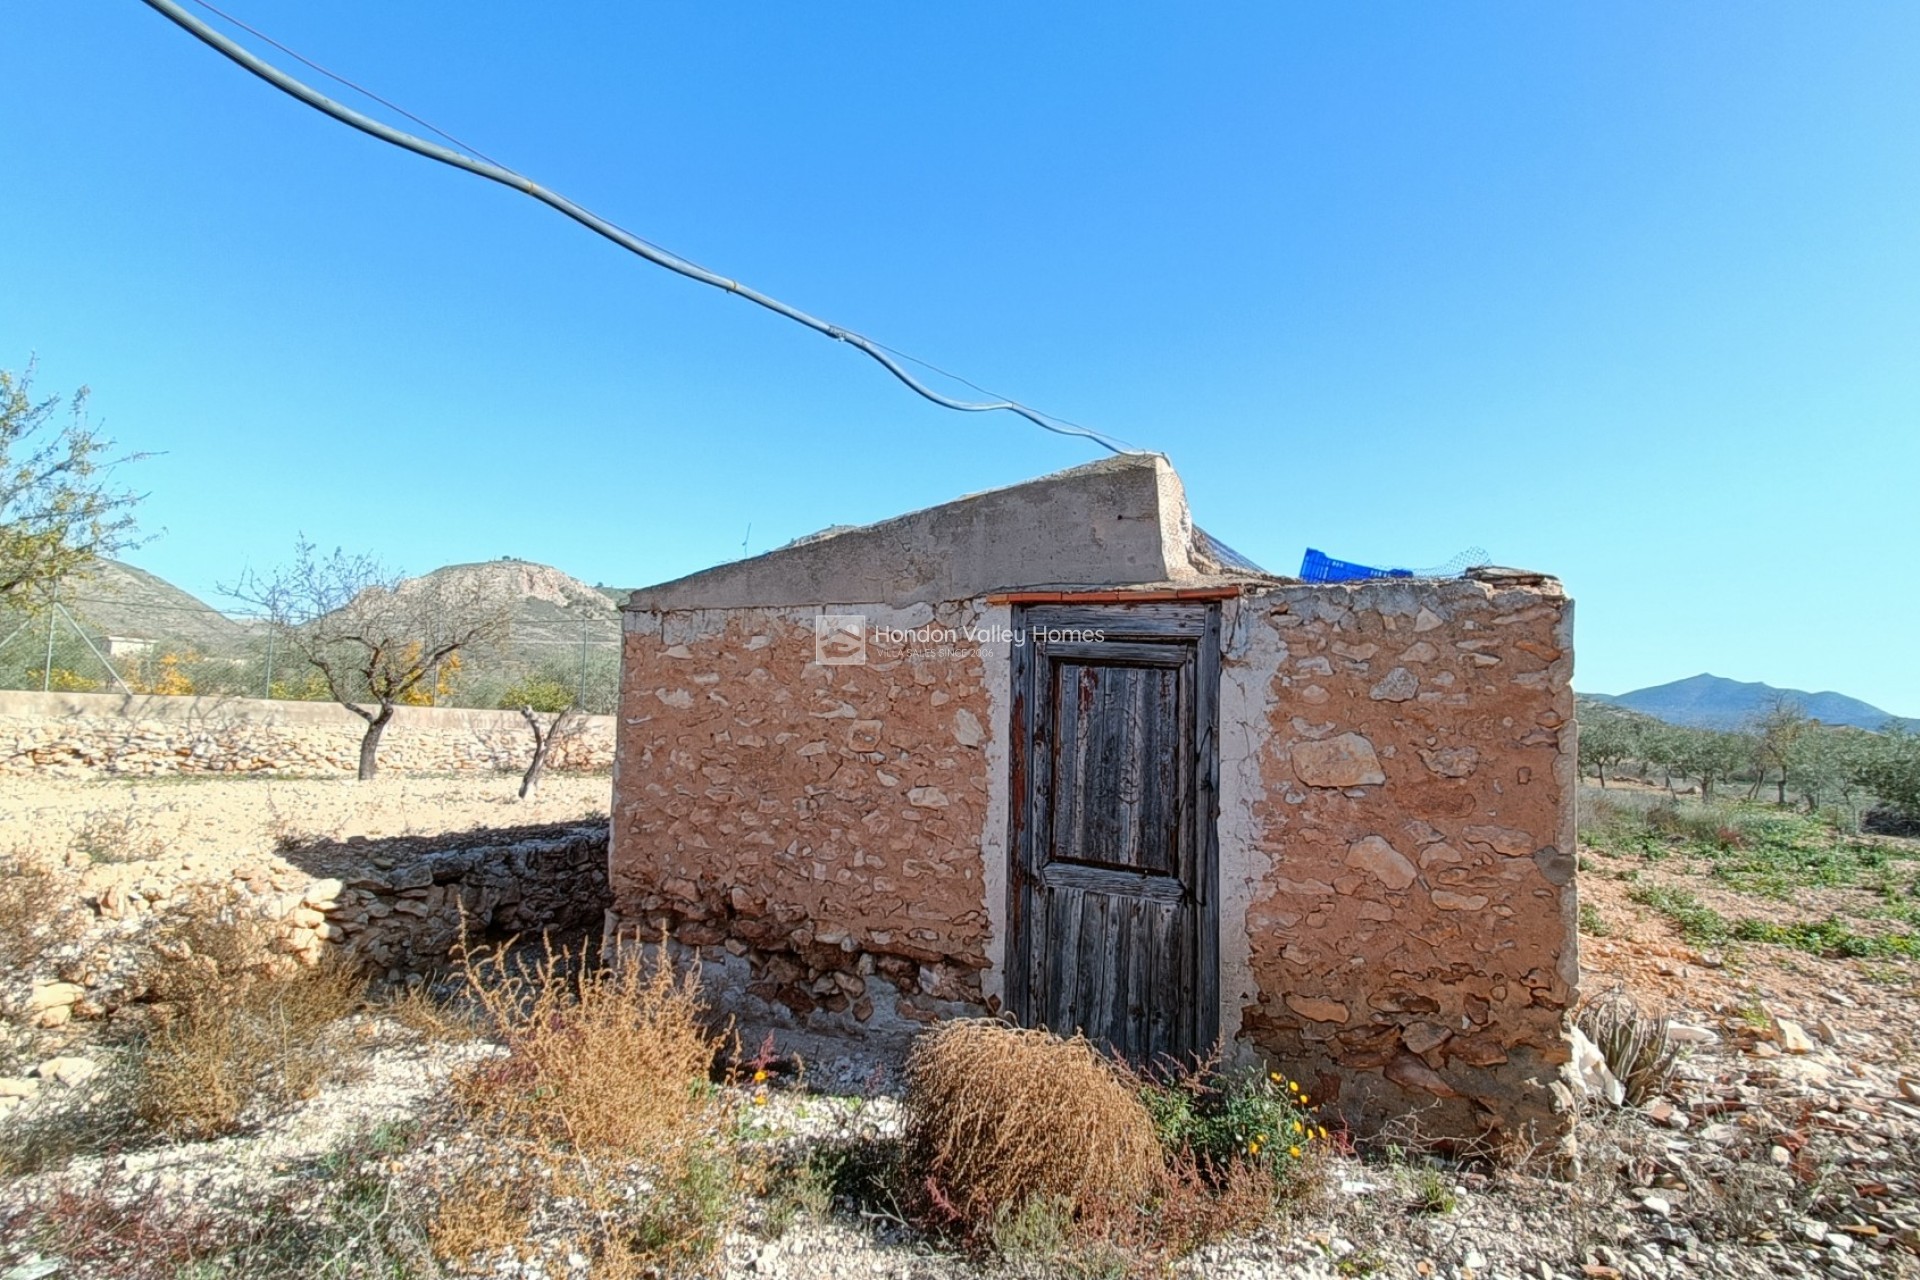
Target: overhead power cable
<point x="593" y="222"/>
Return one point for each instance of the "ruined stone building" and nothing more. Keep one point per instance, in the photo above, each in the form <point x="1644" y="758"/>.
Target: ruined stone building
<point x="1053" y="752"/>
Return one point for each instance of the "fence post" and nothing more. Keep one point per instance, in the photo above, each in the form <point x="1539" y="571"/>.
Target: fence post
<point x="53" y="615"/>
<point x="268" y="691"/>
<point x="580" y="696"/>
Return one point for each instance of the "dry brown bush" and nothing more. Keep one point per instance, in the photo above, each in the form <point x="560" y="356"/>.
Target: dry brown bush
<point x="602" y="1059"/>
<point x="246" y="1026"/>
<point x="598" y="1128"/>
<point x="38" y="910"/>
<point x="999" y="1117"/>
<point x="427" y="1015"/>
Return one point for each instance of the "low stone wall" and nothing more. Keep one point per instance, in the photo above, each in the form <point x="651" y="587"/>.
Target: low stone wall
<point x="399" y="906"/>
<point x="409" y="919"/>
<point x="146" y="735"/>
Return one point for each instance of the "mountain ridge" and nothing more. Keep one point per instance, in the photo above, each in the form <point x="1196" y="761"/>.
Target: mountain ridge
<point x="1707" y="701"/>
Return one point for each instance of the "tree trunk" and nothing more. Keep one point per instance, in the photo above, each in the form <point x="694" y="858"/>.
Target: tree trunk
<point x="544" y="741"/>
<point x="370" y="743"/>
<point x="1783" y="788"/>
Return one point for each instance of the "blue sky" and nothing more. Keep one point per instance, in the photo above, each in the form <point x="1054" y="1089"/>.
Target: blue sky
<point x="1625" y="292"/>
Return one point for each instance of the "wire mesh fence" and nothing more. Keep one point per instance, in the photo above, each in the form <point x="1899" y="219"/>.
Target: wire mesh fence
<point x="97" y="644"/>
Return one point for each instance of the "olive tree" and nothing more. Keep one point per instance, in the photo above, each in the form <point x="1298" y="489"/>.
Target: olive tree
<point x="1775" y="734"/>
<point x="1710" y="756"/>
<point x="1606" y="738"/>
<point x="59" y="511"/>
<point x="1892" y="769"/>
<point x="376" y="640"/>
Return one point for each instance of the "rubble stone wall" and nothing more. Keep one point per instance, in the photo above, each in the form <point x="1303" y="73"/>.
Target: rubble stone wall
<point x="146" y="735"/>
<point x="398" y="906"/>
<point x="816" y="830"/>
<point x="1400" y="840"/>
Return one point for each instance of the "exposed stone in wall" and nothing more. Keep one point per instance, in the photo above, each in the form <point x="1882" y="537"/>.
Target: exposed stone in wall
<point x="1413" y="944"/>
<point x="71" y="734"/>
<point x="815" y="830"/>
<point x="399" y="906"/>
<point x="408" y="918"/>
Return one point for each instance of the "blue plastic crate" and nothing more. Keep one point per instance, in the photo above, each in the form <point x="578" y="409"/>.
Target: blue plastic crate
<point x="1317" y="566"/>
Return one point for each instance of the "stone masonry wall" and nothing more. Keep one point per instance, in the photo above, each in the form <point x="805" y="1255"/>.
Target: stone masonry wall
<point x="80" y="733"/>
<point x="1408" y="854"/>
<point x="397" y="906"/>
<point x="815" y="830"/>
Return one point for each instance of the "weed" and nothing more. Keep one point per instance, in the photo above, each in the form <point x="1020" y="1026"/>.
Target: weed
<point x="1254" y="1117"/>
<point x="1753" y="1014"/>
<point x="38" y="911"/>
<point x="429" y="1016"/>
<point x="49" y="1132"/>
<point x="1830" y="937"/>
<point x="597" y="1128"/>
<point x="1698" y="922"/>
<point x="1000" y="1117"/>
<point x="1635" y="1046"/>
<point x="122" y="835"/>
<point x="1433" y="1192"/>
<point x="246" y="1027"/>
<point x="601" y="1060"/>
<point x="1591" y="922"/>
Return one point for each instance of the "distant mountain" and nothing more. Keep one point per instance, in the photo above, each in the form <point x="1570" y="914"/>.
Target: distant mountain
<point x="1713" y="702"/>
<point x="126" y="603"/>
<point x="549" y="606"/>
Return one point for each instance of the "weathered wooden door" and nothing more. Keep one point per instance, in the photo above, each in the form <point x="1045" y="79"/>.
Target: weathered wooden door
<point x="1113" y="914"/>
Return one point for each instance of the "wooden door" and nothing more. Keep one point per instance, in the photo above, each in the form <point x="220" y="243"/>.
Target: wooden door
<point x="1113" y="915"/>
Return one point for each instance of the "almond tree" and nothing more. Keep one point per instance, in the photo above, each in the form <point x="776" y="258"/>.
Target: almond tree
<point x="376" y="640"/>
<point x="57" y="511"/>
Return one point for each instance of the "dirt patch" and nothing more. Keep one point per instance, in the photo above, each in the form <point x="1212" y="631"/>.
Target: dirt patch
<point x="234" y="819"/>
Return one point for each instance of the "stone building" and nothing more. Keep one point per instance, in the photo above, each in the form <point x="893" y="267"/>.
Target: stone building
<point x="1051" y="751"/>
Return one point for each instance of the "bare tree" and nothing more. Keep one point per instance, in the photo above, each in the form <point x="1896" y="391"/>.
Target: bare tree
<point x="377" y="640"/>
<point x="547" y="737"/>
<point x="57" y="511"/>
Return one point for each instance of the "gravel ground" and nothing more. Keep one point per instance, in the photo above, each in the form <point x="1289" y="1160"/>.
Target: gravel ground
<point x="1788" y="1143"/>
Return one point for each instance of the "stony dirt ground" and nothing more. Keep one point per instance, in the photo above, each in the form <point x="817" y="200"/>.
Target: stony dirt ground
<point x="237" y="819"/>
<point x="1788" y="1143"/>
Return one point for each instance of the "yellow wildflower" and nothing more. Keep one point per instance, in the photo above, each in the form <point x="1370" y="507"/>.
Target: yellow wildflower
<point x="760" y="1076"/>
<point x="1294" y="1152"/>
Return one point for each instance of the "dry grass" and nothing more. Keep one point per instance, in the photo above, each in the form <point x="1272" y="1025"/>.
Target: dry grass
<point x="125" y="834"/>
<point x="1000" y="1117"/>
<point x="429" y="1016"/>
<point x="597" y="1130"/>
<point x="599" y="1059"/>
<point x="38" y="910"/>
<point x="246" y="1026"/>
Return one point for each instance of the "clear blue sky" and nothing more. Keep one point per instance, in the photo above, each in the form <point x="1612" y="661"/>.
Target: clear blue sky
<point x="1625" y="292"/>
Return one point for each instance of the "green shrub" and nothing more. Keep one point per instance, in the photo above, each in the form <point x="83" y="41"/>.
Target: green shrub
<point x="1245" y="1117"/>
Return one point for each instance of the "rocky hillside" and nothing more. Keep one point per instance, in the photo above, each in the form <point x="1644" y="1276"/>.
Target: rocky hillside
<point x="550" y="606"/>
<point x="117" y="599"/>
